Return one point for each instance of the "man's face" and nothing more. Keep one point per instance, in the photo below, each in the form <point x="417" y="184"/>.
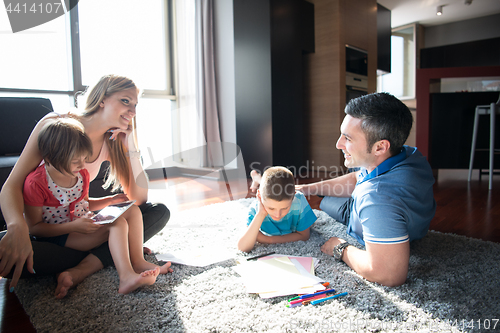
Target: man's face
<point x="354" y="145"/>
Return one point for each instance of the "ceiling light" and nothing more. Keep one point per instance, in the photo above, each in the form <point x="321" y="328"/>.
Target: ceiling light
<point x="439" y="10"/>
<point x="467" y="2"/>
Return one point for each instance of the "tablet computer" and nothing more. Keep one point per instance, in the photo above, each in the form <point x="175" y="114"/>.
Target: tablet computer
<point x="110" y="213"/>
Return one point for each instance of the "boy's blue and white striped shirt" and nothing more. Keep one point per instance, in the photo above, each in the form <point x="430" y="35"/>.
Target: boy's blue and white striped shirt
<point x="299" y="218"/>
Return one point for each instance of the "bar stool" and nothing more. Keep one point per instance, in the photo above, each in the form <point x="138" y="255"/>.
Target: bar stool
<point x="492" y="110"/>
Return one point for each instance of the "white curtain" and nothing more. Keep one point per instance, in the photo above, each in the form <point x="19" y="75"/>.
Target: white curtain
<point x="188" y="134"/>
<point x="199" y="144"/>
<point x="207" y="87"/>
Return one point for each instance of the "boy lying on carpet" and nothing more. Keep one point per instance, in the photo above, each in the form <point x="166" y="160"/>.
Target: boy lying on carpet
<point x="57" y="207"/>
<point x="279" y="215"/>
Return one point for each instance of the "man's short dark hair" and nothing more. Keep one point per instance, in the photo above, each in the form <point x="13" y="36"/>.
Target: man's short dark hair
<point x="384" y="117"/>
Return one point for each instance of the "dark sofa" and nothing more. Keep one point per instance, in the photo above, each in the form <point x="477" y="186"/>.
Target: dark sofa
<point x="18" y="117"/>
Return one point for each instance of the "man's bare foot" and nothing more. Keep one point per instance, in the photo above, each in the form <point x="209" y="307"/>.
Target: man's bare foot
<point x="134" y="281"/>
<point x="64" y="284"/>
<point x="146" y="265"/>
<point x="256" y="179"/>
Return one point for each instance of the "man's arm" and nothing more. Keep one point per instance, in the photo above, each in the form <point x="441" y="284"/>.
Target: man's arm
<point x="386" y="264"/>
<point x="337" y="187"/>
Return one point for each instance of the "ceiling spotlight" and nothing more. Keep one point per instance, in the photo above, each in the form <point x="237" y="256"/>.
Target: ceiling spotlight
<point x="439" y="10"/>
<point x="467" y="2"/>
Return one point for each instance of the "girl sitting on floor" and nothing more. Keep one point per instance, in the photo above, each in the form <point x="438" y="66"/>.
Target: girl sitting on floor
<point x="57" y="206"/>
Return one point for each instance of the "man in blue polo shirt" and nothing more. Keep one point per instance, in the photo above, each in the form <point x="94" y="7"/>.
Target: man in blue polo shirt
<point x="389" y="201"/>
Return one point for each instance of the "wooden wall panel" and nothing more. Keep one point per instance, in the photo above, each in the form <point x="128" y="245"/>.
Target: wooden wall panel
<point x="358" y="29"/>
<point x="323" y="86"/>
<point x="337" y="23"/>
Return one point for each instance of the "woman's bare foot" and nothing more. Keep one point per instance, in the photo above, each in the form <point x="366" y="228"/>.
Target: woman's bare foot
<point x="134" y="281"/>
<point x="146" y="265"/>
<point x="64" y="284"/>
<point x="73" y="276"/>
<point x="256" y="179"/>
<point x="165" y="268"/>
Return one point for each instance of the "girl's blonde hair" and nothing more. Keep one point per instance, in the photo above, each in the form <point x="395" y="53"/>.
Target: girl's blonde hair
<point x="118" y="173"/>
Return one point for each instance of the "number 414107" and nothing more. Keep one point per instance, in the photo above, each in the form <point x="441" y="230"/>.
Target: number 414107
<point x="41" y="8"/>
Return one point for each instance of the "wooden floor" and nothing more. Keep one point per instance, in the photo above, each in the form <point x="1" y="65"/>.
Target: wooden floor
<point x="462" y="208"/>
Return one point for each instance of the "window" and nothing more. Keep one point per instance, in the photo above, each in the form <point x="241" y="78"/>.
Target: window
<point x="36" y="58"/>
<point x="401" y="81"/>
<point x="125" y="37"/>
<point x="129" y="39"/>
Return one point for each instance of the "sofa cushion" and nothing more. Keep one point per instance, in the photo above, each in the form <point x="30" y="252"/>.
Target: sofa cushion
<point x="6" y="165"/>
<point x="18" y="117"/>
<point x="7" y="162"/>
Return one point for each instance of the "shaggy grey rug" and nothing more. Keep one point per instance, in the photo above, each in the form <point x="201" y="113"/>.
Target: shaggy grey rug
<point x="453" y="285"/>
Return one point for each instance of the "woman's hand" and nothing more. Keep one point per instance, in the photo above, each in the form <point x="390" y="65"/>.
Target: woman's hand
<point x="99" y="203"/>
<point x="117" y="198"/>
<point x="123" y="134"/>
<point x="15" y="250"/>
<point x="84" y="225"/>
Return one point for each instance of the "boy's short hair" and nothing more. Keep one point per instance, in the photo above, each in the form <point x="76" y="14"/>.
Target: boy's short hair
<point x="277" y="184"/>
<point x="61" y="140"/>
